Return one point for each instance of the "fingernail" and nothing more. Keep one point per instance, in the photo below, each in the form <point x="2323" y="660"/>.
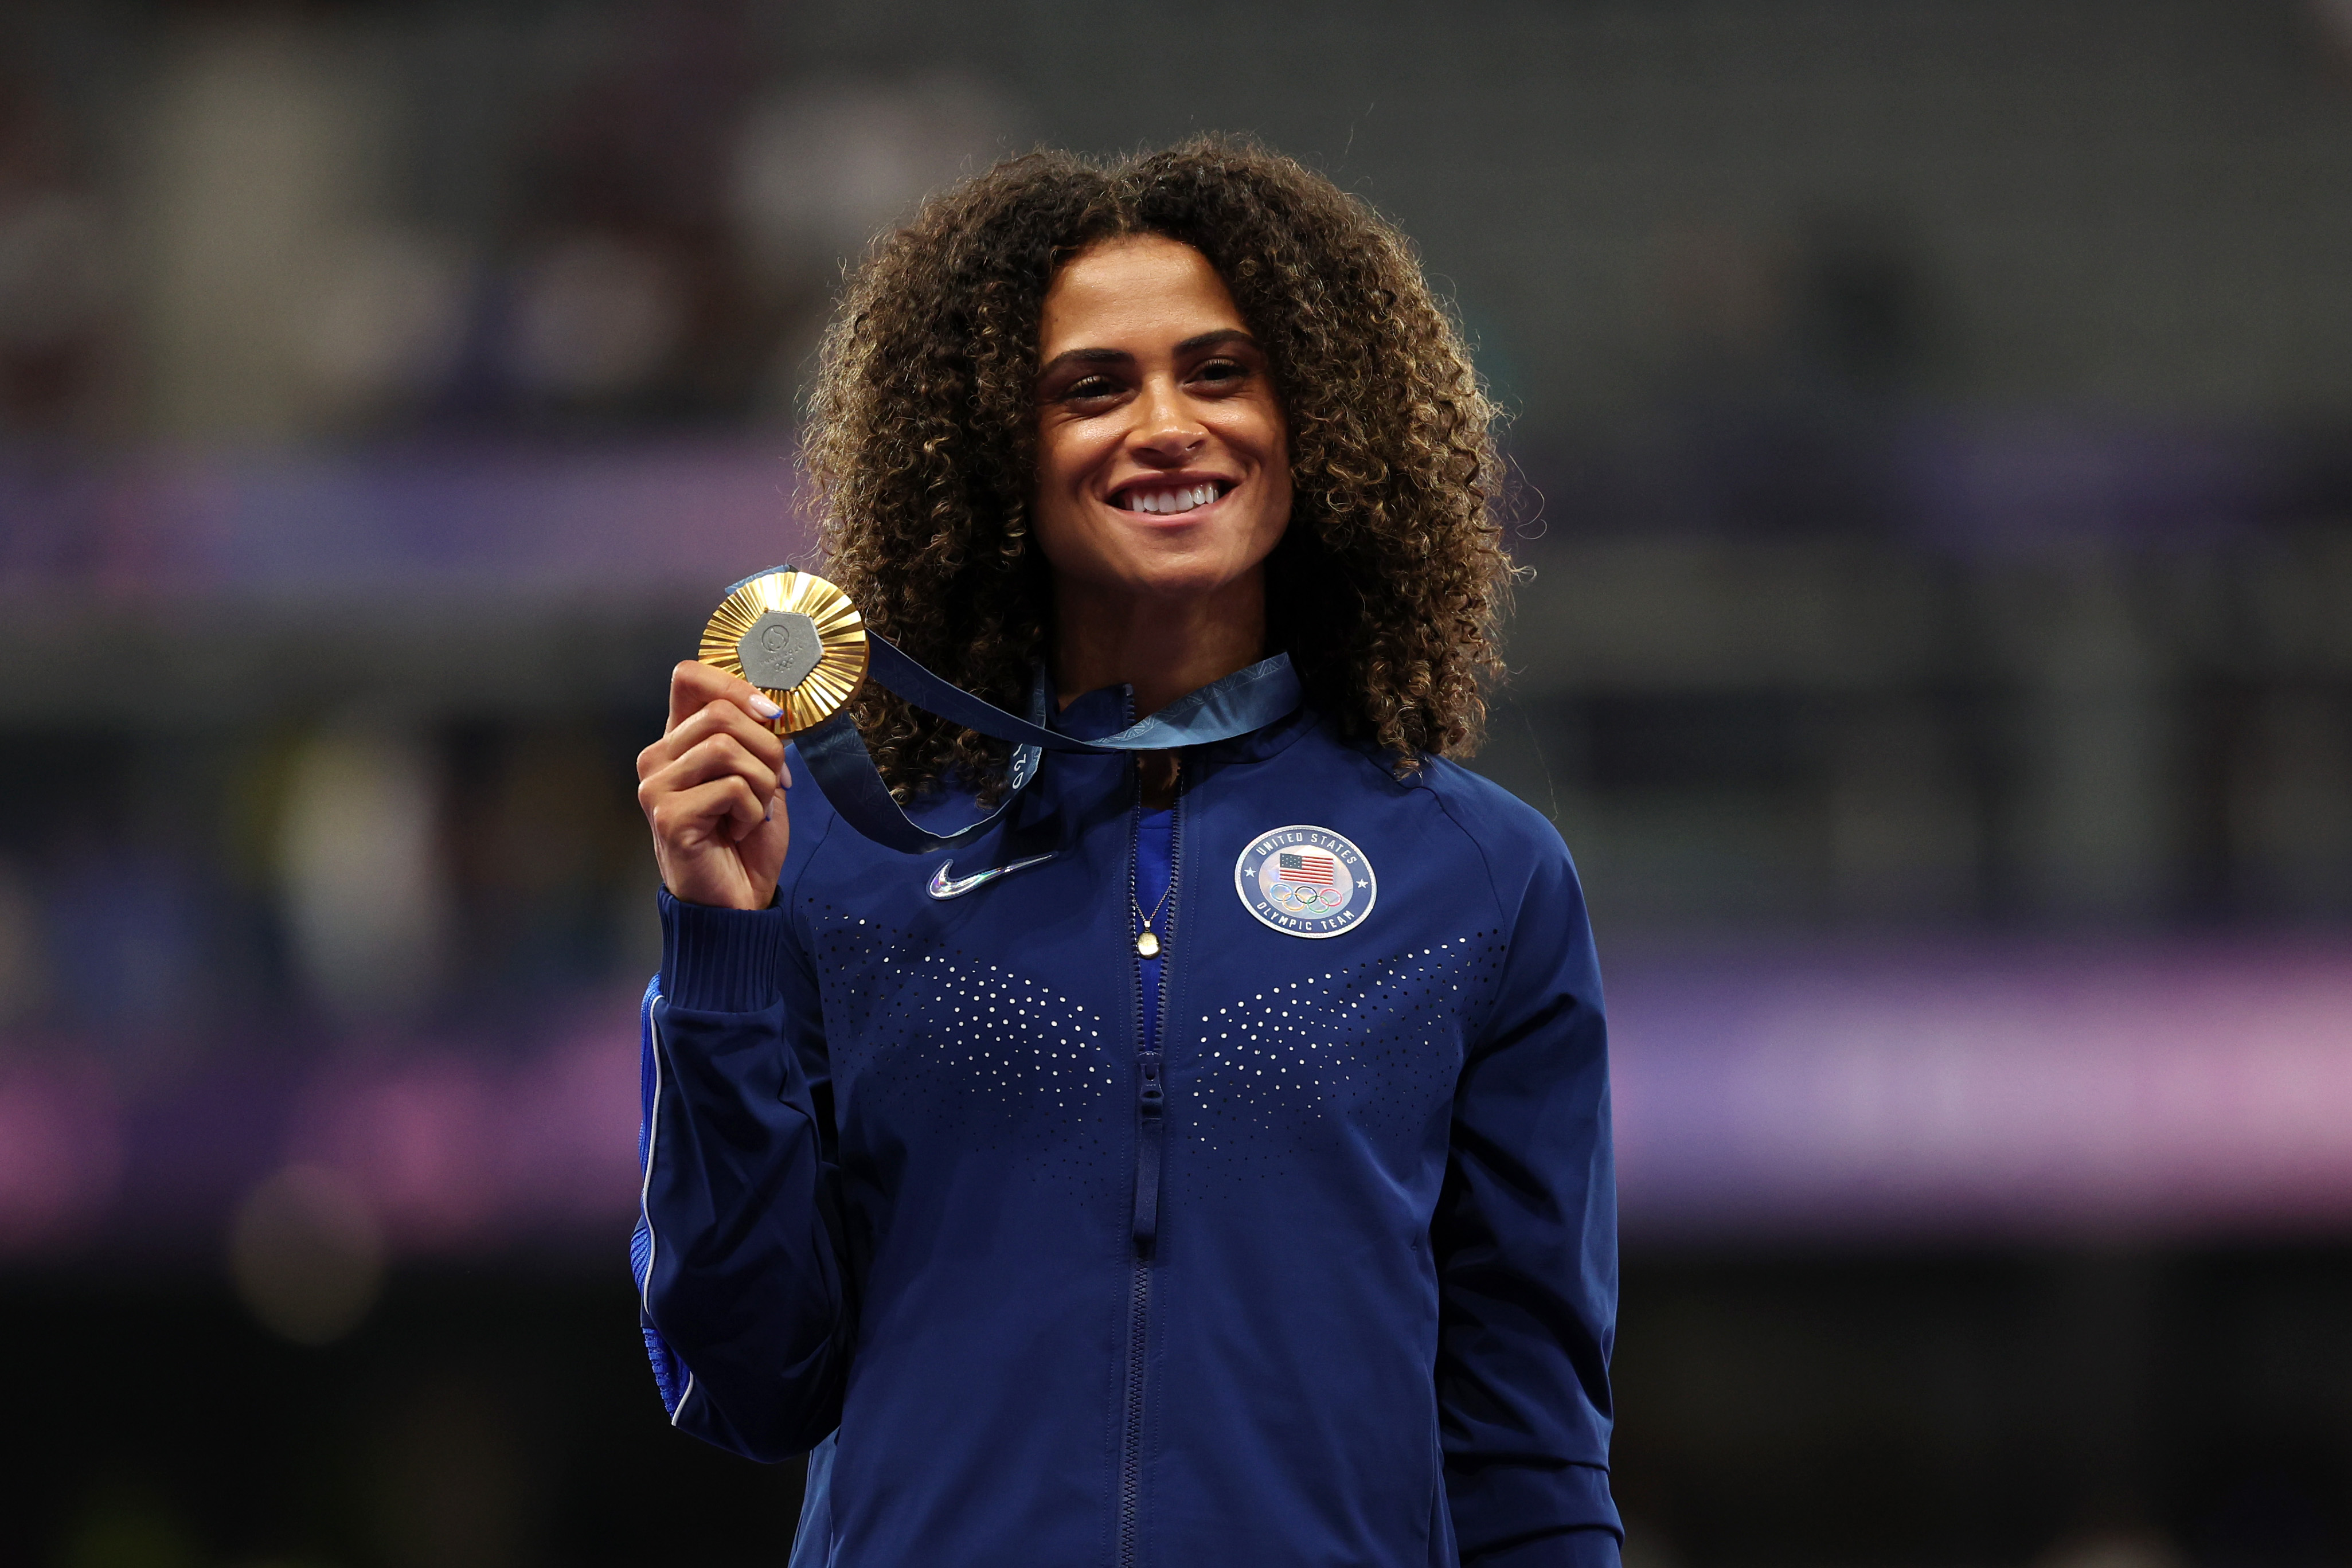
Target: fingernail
<point x="763" y="707"/>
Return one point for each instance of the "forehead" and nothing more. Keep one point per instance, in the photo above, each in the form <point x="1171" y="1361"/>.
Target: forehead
<point x="1135" y="292"/>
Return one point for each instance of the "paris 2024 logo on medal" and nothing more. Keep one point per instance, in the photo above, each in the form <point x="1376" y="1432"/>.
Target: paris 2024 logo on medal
<point x="1305" y="881"/>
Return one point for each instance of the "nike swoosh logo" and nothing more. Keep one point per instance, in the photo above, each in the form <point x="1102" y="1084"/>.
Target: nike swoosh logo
<point x="946" y="886"/>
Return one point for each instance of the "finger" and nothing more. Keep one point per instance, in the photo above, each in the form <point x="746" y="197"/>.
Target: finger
<point x="747" y="815"/>
<point x="716" y="756"/>
<point x="758" y="737"/>
<point x="696" y="818"/>
<point x="764" y="841"/>
<point x="716" y="717"/>
<point x="694" y="685"/>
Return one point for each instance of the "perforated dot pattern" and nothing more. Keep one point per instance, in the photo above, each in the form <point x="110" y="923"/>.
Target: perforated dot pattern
<point x="954" y="1047"/>
<point x="1370" y="1051"/>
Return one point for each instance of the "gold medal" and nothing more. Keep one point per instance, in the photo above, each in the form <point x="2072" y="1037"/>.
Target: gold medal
<point x="797" y="638"/>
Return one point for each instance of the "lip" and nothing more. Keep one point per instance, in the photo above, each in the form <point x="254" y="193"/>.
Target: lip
<point x="1226" y="485"/>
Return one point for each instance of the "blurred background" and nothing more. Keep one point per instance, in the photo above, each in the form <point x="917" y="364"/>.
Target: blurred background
<point x="1929" y="435"/>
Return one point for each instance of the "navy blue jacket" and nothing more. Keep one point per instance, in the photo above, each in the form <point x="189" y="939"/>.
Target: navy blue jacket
<point x="1330" y="1279"/>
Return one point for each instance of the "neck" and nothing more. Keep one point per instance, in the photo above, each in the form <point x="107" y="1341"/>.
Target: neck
<point x="1161" y="647"/>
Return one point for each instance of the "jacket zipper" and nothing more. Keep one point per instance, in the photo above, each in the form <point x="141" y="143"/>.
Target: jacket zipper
<point x="1151" y="1104"/>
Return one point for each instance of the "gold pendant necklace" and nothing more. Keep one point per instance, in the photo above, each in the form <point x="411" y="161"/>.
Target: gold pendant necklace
<point x="1147" y="942"/>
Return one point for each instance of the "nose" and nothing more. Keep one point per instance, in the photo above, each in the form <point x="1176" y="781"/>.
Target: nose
<point x="1166" y="429"/>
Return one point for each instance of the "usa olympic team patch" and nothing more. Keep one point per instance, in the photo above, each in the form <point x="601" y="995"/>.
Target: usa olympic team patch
<point x="1306" y="881"/>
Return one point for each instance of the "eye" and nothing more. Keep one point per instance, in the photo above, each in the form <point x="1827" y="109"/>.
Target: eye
<point x="1090" y="389"/>
<point x="1222" y="372"/>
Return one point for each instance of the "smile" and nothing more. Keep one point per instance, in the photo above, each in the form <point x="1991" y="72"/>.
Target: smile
<point x="1167" y="500"/>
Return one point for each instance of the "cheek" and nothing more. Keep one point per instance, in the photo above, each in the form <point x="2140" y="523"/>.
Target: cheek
<point x="1059" y="460"/>
<point x="1058" y="513"/>
<point x="1063" y="536"/>
<point x="1265" y="434"/>
<point x="1274" y="521"/>
<point x="1054" y="500"/>
<point x="1270" y="443"/>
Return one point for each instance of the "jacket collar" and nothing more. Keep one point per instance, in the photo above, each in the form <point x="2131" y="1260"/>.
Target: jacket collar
<point x="1110" y="709"/>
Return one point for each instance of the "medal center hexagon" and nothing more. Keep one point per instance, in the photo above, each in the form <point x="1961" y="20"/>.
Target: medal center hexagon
<point x="779" y="650"/>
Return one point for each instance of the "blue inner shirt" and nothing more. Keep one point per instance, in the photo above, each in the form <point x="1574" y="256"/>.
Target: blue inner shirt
<point x="1155" y="857"/>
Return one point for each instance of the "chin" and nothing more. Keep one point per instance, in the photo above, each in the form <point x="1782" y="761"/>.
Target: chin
<point x="1160" y="562"/>
<point x="1171" y="588"/>
<point x="1191" y="577"/>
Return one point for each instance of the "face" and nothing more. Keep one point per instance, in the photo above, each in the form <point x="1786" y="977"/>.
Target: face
<point x="1163" y="469"/>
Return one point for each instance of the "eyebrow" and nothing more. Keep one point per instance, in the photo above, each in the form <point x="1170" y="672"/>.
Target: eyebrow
<point x="1121" y="357"/>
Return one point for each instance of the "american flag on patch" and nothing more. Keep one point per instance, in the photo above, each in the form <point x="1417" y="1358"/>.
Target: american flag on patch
<point x="1316" y="870"/>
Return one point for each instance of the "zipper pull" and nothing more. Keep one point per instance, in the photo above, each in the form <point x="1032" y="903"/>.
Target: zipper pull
<point x="1150" y="1101"/>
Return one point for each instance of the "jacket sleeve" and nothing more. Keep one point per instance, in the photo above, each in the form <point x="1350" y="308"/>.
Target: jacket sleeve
<point x="1525" y="1239"/>
<point x="737" y="1254"/>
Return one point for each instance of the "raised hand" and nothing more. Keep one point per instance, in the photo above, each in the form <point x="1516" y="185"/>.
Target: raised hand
<point x="713" y="788"/>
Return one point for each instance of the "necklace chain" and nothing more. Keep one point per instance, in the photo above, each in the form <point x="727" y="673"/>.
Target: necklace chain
<point x="1147" y="942"/>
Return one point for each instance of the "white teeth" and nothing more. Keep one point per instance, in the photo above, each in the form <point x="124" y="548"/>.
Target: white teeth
<point x="1164" y="501"/>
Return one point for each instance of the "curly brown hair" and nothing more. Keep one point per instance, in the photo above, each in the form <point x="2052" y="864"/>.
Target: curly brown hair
<point x="923" y="432"/>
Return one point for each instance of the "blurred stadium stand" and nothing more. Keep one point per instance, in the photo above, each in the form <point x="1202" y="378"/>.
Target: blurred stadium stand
<point x="1932" y="438"/>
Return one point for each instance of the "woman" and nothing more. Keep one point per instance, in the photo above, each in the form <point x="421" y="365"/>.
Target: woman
<point x="1212" y="1165"/>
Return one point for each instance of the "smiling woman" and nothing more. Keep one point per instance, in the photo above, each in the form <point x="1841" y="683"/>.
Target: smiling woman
<point x="1163" y="481"/>
<point x="926" y="433"/>
<point x="1216" y="1168"/>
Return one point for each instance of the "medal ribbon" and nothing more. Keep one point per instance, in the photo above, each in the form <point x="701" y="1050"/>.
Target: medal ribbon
<point x="835" y="754"/>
